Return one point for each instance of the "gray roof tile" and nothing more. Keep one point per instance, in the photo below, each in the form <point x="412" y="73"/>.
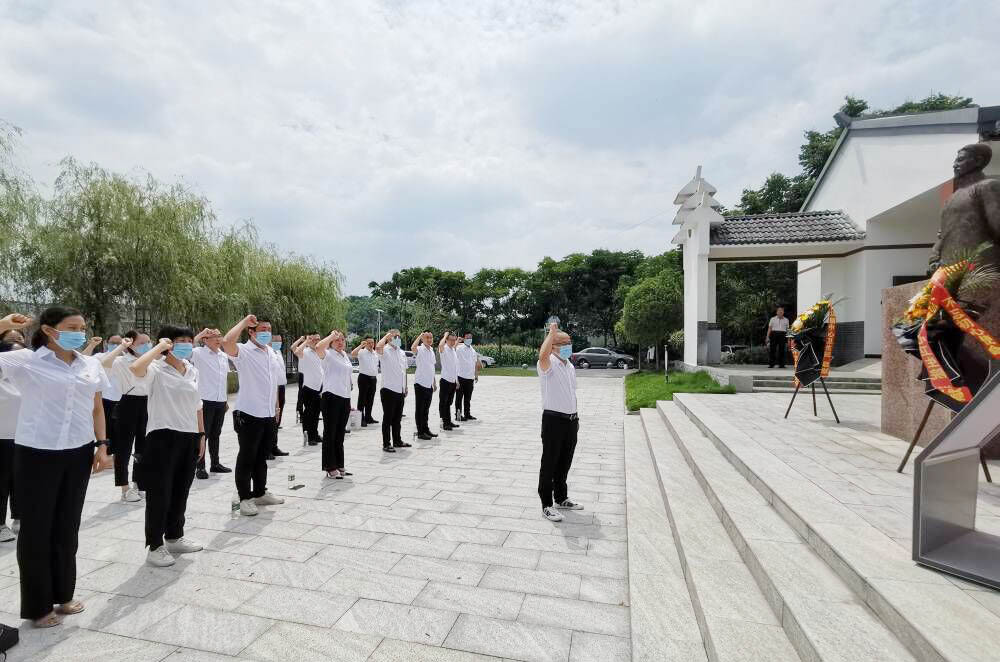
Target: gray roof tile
<point x="790" y="228"/>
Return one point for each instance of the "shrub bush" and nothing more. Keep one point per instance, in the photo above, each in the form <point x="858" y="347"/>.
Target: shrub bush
<point x="754" y="355"/>
<point x="509" y="355"/>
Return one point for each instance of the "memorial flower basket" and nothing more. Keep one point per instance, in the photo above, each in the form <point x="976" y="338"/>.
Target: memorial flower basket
<point x="811" y="337"/>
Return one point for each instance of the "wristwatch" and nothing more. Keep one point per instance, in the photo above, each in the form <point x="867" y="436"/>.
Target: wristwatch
<point x="103" y="442"/>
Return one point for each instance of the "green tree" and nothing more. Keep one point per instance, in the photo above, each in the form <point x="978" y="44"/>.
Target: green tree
<point x="504" y="301"/>
<point x="654" y="308"/>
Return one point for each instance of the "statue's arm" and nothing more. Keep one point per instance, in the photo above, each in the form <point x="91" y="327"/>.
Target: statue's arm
<point x="991" y="207"/>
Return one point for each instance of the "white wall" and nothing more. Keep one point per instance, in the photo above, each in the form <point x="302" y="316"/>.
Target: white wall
<point x="878" y="169"/>
<point x="809" y="284"/>
<point x="880" y="267"/>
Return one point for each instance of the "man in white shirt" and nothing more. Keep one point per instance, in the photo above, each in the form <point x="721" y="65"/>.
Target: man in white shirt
<point x="213" y="374"/>
<point x="110" y="398"/>
<point x="254" y="415"/>
<point x="468" y="375"/>
<point x="311" y="369"/>
<point x="279" y="359"/>
<point x="393" y="391"/>
<point x="449" y="378"/>
<point x="560" y="422"/>
<point x="777" y="328"/>
<point x="130" y="418"/>
<point x="424" y="383"/>
<point x="368" y="363"/>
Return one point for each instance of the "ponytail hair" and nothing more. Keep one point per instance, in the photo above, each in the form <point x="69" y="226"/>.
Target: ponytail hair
<point x="50" y="317"/>
<point x="132" y="334"/>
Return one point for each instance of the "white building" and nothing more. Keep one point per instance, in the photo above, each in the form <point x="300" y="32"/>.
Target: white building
<point x="868" y="223"/>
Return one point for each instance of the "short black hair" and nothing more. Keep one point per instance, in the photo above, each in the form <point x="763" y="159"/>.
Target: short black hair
<point x="132" y="334"/>
<point x="171" y="332"/>
<point x="50" y="317"/>
<point x="368" y="338"/>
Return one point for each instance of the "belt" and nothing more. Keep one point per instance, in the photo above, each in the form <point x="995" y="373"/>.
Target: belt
<point x="559" y="414"/>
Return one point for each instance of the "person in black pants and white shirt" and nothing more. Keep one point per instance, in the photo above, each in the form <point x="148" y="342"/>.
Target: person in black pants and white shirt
<point x="175" y="442"/>
<point x="560" y="423"/>
<point x="254" y="415"/>
<point x="368" y="361"/>
<point x="10" y="404"/>
<point x="468" y="375"/>
<point x="116" y="347"/>
<point x="424" y="383"/>
<point x="393" y="391"/>
<point x="449" y="378"/>
<point x="777" y="329"/>
<point x="311" y="369"/>
<point x="60" y="417"/>
<point x="130" y="421"/>
<point x="336" y="401"/>
<point x="282" y="383"/>
<point x="213" y="374"/>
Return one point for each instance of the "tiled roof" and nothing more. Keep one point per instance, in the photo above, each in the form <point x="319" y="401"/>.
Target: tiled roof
<point x="790" y="228"/>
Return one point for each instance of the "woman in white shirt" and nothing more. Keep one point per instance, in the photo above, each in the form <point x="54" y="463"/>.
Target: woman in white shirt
<point x="54" y="455"/>
<point x="10" y="403"/>
<point x="130" y="422"/>
<point x="336" y="401"/>
<point x="174" y="444"/>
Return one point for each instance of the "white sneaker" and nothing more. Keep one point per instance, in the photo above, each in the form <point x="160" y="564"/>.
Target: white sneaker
<point x="248" y="507"/>
<point x="552" y="514"/>
<point x="6" y="535"/>
<point x="269" y="500"/>
<point x="569" y="504"/>
<point x="182" y="546"/>
<point x="131" y="495"/>
<point x="160" y="557"/>
<point x="332" y="474"/>
<point x="15" y="526"/>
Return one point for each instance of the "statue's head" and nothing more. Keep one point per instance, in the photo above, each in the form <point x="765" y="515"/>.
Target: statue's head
<point x="972" y="158"/>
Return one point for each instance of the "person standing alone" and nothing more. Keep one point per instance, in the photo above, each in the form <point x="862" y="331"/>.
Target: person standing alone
<point x="777" y="330"/>
<point x="560" y="423"/>
<point x="424" y="384"/>
<point x="468" y="375"/>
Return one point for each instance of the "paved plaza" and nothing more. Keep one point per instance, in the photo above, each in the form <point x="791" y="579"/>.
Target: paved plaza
<point x="435" y="553"/>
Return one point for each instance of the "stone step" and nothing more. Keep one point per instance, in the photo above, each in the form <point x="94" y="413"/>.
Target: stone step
<point x="834" y="377"/>
<point x="830" y="384"/>
<point x="819" y="392"/>
<point x="734" y="617"/>
<point x="821" y="615"/>
<point x="929" y="612"/>
<point x="663" y="623"/>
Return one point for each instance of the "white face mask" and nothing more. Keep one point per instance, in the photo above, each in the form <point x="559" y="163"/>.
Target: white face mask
<point x="468" y="342"/>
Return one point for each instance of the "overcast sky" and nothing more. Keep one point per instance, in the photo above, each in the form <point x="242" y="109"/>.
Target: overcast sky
<point x="462" y="134"/>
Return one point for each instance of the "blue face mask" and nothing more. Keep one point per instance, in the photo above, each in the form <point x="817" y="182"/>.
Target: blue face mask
<point x="264" y="338"/>
<point x="71" y="339"/>
<point x="142" y="349"/>
<point x="276" y="346"/>
<point x="565" y="351"/>
<point x="468" y="342"/>
<point x="112" y="346"/>
<point x="396" y="342"/>
<point x="182" y="350"/>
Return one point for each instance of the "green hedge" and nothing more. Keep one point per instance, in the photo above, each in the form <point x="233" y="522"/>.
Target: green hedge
<point x="510" y="355"/>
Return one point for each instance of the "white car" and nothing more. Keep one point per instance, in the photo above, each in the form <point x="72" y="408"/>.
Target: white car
<point x="486" y="361"/>
<point x="411" y="359"/>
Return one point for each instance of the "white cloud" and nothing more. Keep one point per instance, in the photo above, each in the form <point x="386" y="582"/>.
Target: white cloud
<point x="464" y="134"/>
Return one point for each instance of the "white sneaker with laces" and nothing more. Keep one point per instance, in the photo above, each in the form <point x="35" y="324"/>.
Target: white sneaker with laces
<point x="569" y="504"/>
<point x="269" y="500"/>
<point x="131" y="495"/>
<point x="552" y="514"/>
<point x="160" y="557"/>
<point x="248" y="508"/>
<point x="182" y="546"/>
<point x="6" y="534"/>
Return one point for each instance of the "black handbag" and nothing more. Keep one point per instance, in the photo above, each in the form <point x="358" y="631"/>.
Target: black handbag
<point x="8" y="638"/>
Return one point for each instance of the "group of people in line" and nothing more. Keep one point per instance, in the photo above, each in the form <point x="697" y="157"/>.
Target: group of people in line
<point x="66" y="413"/>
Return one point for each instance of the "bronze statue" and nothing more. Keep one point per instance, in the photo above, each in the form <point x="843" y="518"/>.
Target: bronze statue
<point x="972" y="213"/>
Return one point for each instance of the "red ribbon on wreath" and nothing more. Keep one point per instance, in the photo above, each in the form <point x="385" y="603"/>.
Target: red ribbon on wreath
<point x="831" y="335"/>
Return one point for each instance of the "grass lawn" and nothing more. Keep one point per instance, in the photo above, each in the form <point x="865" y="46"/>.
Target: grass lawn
<point x="512" y="371"/>
<point x="643" y="389"/>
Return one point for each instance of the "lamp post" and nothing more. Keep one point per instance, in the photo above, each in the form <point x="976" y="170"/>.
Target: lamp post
<point x="380" y="313"/>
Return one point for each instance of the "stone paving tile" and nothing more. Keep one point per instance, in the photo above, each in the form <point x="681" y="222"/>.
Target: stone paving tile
<point x="531" y="643"/>
<point x="391" y="650"/>
<point x="289" y="642"/>
<point x="84" y="646"/>
<point x="208" y="591"/>
<point x="555" y="584"/>
<point x="297" y="605"/>
<point x="471" y="600"/>
<point x="586" y="616"/>
<point x="422" y="625"/>
<point x="375" y="585"/>
<point x="509" y="556"/>
<point x="589" y="647"/>
<point x="547" y="543"/>
<point x="456" y="533"/>
<point x="440" y="549"/>
<point x="207" y="629"/>
<point x="603" y="589"/>
<point x="456" y="572"/>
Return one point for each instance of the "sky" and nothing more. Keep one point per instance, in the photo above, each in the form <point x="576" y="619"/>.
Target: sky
<point x="463" y="134"/>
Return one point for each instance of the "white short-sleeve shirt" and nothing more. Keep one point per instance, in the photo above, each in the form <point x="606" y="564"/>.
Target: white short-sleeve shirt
<point x="10" y="403"/>
<point x="112" y="394"/>
<point x="213" y="371"/>
<point x="174" y="399"/>
<point x="58" y="412"/>
<point x="425" y="366"/>
<point x="311" y="367"/>
<point x="368" y="362"/>
<point x="468" y="357"/>
<point x="258" y="380"/>
<point x="337" y="371"/>
<point x="558" y="385"/>
<point x="449" y="364"/>
<point x="393" y="369"/>
<point x="778" y="323"/>
<point x="126" y="382"/>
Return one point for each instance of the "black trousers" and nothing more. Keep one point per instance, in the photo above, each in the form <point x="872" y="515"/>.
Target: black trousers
<point x="130" y="431"/>
<point x="367" y="385"/>
<point x="51" y="487"/>
<point x="777" y="349"/>
<point x="214" y="414"/>
<point x="422" y="406"/>
<point x="171" y="457"/>
<point x="300" y="380"/>
<point x="281" y="405"/>
<point x="110" y="421"/>
<point x="558" y="445"/>
<point x="310" y="400"/>
<point x="255" y="436"/>
<point x="336" y="411"/>
<point x="466" y="394"/>
<point x="392" y="416"/>
<point x="446" y="395"/>
<point x="7" y="480"/>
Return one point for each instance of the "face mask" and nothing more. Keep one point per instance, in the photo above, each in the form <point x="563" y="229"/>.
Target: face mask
<point x="468" y="342"/>
<point x="182" y="350"/>
<point x="112" y="347"/>
<point x="71" y="339"/>
<point x="396" y="342"/>
<point x="142" y="349"/>
<point x="565" y="351"/>
<point x="264" y="338"/>
<point x="276" y="346"/>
